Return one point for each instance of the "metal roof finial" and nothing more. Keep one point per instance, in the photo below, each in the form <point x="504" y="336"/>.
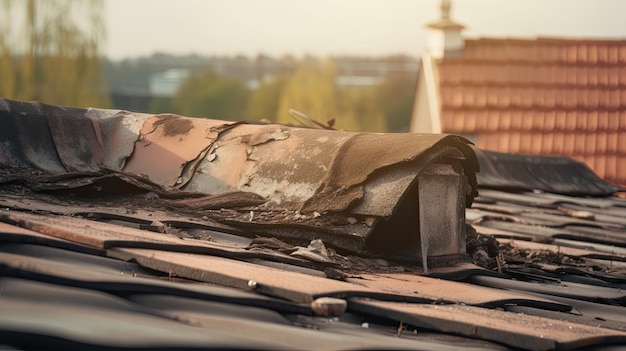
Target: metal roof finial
<point x="445" y="8"/>
<point x="445" y="34"/>
<point x="445" y="21"/>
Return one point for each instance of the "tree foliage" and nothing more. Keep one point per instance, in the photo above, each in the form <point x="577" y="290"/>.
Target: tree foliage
<point x="210" y="95"/>
<point x="395" y="98"/>
<point x="264" y="102"/>
<point x="359" y="110"/>
<point x="51" y="52"/>
<point x="312" y="90"/>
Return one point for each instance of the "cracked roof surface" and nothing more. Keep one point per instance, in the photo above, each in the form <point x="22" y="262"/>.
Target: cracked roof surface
<point x="97" y="254"/>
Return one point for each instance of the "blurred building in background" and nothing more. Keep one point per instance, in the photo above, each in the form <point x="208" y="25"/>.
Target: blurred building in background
<point x="363" y="71"/>
<point x="161" y="74"/>
<point x="548" y="96"/>
<point x="167" y="83"/>
<point x="151" y="84"/>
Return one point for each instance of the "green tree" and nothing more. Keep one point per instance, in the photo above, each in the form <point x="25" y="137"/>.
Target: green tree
<point x="54" y="56"/>
<point x="264" y="102"/>
<point x="312" y="91"/>
<point x="395" y="98"/>
<point x="161" y="104"/>
<point x="359" y="105"/>
<point x="209" y="95"/>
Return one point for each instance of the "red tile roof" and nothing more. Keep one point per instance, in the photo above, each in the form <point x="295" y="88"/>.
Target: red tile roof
<point x="541" y="96"/>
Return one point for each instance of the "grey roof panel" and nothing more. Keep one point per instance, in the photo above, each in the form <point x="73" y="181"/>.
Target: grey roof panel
<point x="114" y="276"/>
<point x="577" y="291"/>
<point x="553" y="174"/>
<point x="99" y="319"/>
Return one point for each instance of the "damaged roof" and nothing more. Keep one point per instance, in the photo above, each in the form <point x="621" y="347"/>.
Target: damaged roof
<point x="129" y="231"/>
<point x="275" y="170"/>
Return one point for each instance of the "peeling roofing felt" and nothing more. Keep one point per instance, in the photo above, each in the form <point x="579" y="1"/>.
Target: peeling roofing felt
<point x="130" y="231"/>
<point x="276" y="168"/>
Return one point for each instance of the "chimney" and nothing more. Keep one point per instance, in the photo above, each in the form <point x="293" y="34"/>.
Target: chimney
<point x="444" y="35"/>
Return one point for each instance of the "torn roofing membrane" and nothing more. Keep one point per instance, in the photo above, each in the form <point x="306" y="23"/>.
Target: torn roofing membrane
<point x="275" y="170"/>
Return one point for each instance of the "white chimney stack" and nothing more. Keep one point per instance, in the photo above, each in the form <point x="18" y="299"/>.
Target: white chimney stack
<point x="444" y="35"/>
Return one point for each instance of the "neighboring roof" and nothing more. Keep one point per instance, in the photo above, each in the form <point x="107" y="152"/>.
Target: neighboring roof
<point x="97" y="259"/>
<point x="547" y="96"/>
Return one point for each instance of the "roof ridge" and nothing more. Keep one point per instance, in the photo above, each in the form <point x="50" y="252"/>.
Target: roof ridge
<point x="544" y="40"/>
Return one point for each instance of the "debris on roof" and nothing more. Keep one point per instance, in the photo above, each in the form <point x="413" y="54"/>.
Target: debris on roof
<point x="169" y="243"/>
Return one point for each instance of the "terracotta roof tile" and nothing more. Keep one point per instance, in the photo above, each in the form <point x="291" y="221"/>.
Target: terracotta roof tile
<point x="485" y="96"/>
<point x="483" y="121"/>
<point x="550" y="120"/>
<point x="601" y="142"/>
<point x="621" y="141"/>
<point x="526" y="121"/>
<point x="621" y="54"/>
<point x="545" y="96"/>
<point x="601" y="120"/>
<point x="612" y="54"/>
<point x="620" y="165"/>
<point x="505" y="120"/>
<point x="606" y="165"/>
<point x="621" y="73"/>
<point x="622" y="120"/>
<point x="537" y="143"/>
<point x="494" y="141"/>
<point x="559" y="143"/>
<point x="548" y="142"/>
<point x="612" y="145"/>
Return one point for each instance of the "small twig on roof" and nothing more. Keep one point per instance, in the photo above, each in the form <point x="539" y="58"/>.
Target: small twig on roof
<point x="400" y="328"/>
<point x="308" y="121"/>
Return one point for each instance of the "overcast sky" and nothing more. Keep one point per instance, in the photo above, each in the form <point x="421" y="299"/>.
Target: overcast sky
<point x="322" y="27"/>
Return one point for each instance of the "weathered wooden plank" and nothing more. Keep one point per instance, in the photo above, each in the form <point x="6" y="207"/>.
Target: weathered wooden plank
<point x="572" y="290"/>
<point x="566" y="250"/>
<point x="100" y="321"/>
<point x="99" y="210"/>
<point x="110" y="275"/>
<point x="293" y="286"/>
<point x="92" y="233"/>
<point x="305" y="288"/>
<point x="104" y="235"/>
<point x="15" y="234"/>
<point x="452" y="292"/>
<point x="87" y="319"/>
<point x="513" y="329"/>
